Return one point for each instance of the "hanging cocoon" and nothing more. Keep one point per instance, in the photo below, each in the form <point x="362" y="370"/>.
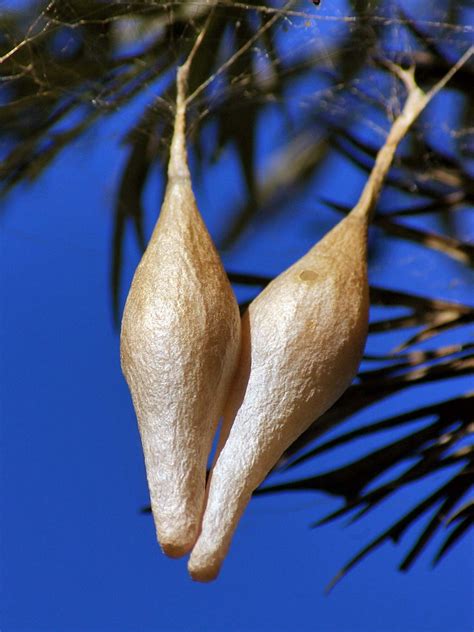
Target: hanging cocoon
<point x="303" y="339"/>
<point x="180" y="341"/>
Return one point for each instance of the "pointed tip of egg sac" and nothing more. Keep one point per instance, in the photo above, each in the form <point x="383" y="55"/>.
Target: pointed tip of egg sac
<point x="177" y="531"/>
<point x="202" y="570"/>
<point x="178" y="542"/>
<point x="175" y="549"/>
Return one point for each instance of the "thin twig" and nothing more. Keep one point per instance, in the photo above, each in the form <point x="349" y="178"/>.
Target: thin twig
<point x="177" y="166"/>
<point x="29" y="39"/>
<point x="450" y="74"/>
<point x="239" y="52"/>
<point x="415" y="103"/>
<point x="183" y="70"/>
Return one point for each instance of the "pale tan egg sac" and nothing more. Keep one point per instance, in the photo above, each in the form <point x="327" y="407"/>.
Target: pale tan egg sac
<point x="180" y="342"/>
<point x="302" y="341"/>
<point x="300" y="357"/>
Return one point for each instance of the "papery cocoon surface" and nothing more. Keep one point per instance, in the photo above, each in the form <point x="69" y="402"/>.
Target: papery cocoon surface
<point x="303" y="339"/>
<point x="179" y="348"/>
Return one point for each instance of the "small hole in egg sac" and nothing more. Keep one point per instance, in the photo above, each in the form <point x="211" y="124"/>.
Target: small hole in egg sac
<point x="308" y="275"/>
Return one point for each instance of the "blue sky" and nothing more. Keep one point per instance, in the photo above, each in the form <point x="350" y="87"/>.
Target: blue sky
<point x="76" y="553"/>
